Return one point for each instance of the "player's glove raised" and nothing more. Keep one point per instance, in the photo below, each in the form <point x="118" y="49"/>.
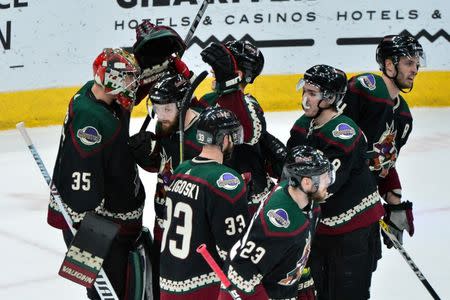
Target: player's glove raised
<point x="398" y="217"/>
<point x="223" y="64"/>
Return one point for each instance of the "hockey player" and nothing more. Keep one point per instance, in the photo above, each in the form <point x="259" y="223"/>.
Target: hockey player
<point x="375" y="104"/>
<point x="347" y="244"/>
<point x="269" y="260"/>
<point x="161" y="152"/>
<point x="94" y="170"/>
<point x="206" y="203"/>
<point x="235" y="65"/>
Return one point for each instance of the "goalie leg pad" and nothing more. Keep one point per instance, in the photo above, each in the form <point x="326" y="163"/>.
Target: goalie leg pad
<point x="139" y="272"/>
<point x="85" y="258"/>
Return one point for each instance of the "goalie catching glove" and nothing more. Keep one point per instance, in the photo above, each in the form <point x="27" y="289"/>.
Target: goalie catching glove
<point x="398" y="217"/>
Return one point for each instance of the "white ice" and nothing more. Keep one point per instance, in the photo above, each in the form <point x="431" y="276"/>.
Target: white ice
<point x="32" y="251"/>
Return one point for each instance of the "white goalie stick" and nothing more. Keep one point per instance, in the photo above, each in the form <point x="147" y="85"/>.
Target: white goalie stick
<point x="102" y="284"/>
<point x="187" y="41"/>
<point x="408" y="259"/>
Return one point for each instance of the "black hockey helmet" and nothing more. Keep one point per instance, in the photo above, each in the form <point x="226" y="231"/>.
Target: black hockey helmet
<point x="215" y="123"/>
<point x="332" y="82"/>
<point x="170" y="88"/>
<point x="249" y="59"/>
<point x="395" y="46"/>
<point x="306" y="161"/>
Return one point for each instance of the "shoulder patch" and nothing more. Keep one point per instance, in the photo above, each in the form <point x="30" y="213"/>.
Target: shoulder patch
<point x="344" y="131"/>
<point x="368" y="81"/>
<point x="228" y="181"/>
<point x="89" y="135"/>
<point x="279" y="217"/>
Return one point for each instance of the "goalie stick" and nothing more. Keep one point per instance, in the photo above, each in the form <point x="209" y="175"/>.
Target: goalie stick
<point x="215" y="267"/>
<point x="408" y="259"/>
<point x="102" y="284"/>
<point x="187" y="41"/>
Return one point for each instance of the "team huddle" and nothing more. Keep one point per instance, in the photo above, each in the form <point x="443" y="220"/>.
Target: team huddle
<point x="282" y="221"/>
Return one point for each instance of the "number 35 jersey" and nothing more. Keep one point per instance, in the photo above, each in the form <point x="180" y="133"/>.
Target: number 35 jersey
<point x="206" y="204"/>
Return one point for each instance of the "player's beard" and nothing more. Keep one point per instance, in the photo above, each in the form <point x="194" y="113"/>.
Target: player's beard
<point x="319" y="196"/>
<point x="168" y="127"/>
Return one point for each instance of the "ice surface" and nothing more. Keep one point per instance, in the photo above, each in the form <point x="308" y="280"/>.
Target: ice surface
<point x="32" y="251"/>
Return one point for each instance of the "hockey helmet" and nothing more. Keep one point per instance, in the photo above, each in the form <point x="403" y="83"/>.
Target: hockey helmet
<point x="117" y="72"/>
<point x="395" y="46"/>
<point x="305" y="161"/>
<point x="332" y="82"/>
<point x="215" y="123"/>
<point x="170" y="88"/>
<point x="249" y="59"/>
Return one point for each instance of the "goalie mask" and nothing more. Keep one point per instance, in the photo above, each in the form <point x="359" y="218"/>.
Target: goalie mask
<point x="331" y="82"/>
<point x="249" y="59"/>
<point x="117" y="72"/>
<point x="215" y="123"/>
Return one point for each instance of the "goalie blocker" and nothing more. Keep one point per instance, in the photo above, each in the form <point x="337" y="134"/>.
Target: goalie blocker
<point x="85" y="258"/>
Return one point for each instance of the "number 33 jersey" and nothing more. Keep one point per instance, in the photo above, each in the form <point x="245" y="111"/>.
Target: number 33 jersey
<point x="206" y="204"/>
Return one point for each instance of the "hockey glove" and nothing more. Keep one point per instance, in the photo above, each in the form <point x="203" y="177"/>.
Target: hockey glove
<point x="223" y="64"/>
<point x="398" y="217"/>
<point x="142" y="146"/>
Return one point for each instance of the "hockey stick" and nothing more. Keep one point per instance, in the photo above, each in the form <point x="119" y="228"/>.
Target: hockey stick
<point x="408" y="259"/>
<point x="215" y="267"/>
<point x="102" y="284"/>
<point x="184" y="106"/>
<point x="187" y="41"/>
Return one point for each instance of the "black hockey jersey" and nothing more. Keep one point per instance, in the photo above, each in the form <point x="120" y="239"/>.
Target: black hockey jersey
<point x="206" y="204"/>
<point x="386" y="122"/>
<point x="94" y="169"/>
<point x="275" y="249"/>
<point x="354" y="201"/>
<point x="248" y="158"/>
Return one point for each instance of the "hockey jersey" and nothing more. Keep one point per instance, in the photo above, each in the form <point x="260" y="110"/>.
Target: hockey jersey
<point x="206" y="204"/>
<point x="386" y="122"/>
<point x="247" y="159"/>
<point x="275" y="248"/>
<point x="169" y="151"/>
<point x="94" y="169"/>
<point x="354" y="201"/>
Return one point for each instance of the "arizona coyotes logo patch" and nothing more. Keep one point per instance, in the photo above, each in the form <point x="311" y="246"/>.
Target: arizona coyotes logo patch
<point x="228" y="181"/>
<point x="385" y="151"/>
<point x="279" y="217"/>
<point x="295" y="274"/>
<point x="166" y="167"/>
<point x="368" y="81"/>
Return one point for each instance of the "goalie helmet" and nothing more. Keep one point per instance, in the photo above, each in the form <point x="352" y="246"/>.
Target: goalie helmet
<point x="332" y="82"/>
<point x="117" y="72"/>
<point x="305" y="161"/>
<point x="249" y="59"/>
<point x="395" y="46"/>
<point x="170" y="88"/>
<point x="215" y="123"/>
